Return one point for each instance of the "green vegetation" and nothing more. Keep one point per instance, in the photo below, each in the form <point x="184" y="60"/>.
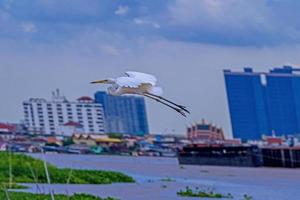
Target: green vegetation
<point x="188" y="192"/>
<point x="246" y="197"/>
<point x="12" y="186"/>
<point x="115" y="135"/>
<point x="68" y="141"/>
<point x="29" y="196"/>
<point x="25" y="169"/>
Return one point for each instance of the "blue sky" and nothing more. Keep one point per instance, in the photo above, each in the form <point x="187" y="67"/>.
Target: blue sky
<point x="45" y="44"/>
<point x="229" y="22"/>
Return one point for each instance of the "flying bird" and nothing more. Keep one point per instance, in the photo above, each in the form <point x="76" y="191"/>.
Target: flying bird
<point x="140" y="84"/>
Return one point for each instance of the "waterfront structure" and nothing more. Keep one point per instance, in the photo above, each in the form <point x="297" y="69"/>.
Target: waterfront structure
<point x="124" y="114"/>
<point x="264" y="103"/>
<point x="46" y="117"/>
<point x="242" y="156"/>
<point x="205" y="132"/>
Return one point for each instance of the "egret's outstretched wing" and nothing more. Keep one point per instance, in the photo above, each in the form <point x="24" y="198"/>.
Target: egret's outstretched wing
<point x="142" y="77"/>
<point x="129" y="82"/>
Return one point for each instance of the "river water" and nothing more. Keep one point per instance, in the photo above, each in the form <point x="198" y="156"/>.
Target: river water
<point x="149" y="172"/>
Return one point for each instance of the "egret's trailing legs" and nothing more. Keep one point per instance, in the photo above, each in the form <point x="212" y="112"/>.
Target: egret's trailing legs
<point x="171" y="102"/>
<point x="160" y="101"/>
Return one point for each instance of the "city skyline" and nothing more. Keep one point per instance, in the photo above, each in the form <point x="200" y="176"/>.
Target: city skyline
<point x="186" y="44"/>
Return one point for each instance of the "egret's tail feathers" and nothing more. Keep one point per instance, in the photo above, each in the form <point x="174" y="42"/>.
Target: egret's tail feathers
<point x="156" y="91"/>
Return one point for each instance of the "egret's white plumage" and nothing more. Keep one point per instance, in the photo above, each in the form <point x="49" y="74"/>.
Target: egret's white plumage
<point x="140" y="84"/>
<point x="147" y="78"/>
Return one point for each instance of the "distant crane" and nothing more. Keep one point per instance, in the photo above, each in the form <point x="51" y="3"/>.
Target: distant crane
<point x="140" y="84"/>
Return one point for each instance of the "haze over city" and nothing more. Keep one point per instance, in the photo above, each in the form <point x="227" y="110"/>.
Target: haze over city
<point x="46" y="45"/>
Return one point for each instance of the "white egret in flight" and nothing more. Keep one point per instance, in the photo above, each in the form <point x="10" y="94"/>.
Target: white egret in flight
<point x="140" y="84"/>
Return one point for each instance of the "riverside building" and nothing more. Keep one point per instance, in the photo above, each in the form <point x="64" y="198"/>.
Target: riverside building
<point x="124" y="114"/>
<point x="264" y="103"/>
<point x="46" y="117"/>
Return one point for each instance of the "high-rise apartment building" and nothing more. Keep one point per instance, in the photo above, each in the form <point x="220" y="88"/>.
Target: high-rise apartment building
<point x="264" y="103"/>
<point x="124" y="114"/>
<point x="46" y="117"/>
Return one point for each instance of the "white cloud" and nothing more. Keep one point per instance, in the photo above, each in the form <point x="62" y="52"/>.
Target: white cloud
<point x="28" y="27"/>
<point x="231" y="14"/>
<point x="139" y="21"/>
<point x="122" y="10"/>
<point x="111" y="50"/>
<point x="156" y="25"/>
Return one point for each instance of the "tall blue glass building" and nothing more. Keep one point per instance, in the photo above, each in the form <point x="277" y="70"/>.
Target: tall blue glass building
<point x="123" y="114"/>
<point x="263" y="103"/>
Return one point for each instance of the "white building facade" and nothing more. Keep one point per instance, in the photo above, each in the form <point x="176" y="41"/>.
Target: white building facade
<point x="46" y="117"/>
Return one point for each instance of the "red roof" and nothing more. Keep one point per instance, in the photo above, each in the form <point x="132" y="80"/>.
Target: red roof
<point x="85" y="98"/>
<point x="7" y="126"/>
<point x="71" y="123"/>
<point x="273" y="140"/>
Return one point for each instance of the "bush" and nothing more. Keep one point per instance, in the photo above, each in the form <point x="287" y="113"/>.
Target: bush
<point x="26" y="169"/>
<point x="188" y="192"/>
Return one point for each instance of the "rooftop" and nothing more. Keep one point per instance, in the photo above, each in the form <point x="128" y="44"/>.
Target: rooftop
<point x="85" y="98"/>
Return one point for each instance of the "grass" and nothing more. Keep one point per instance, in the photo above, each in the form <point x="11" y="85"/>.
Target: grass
<point x="26" y="169"/>
<point x="29" y="196"/>
<point x="188" y="192"/>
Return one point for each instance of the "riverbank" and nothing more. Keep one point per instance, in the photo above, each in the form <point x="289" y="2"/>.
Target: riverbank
<point x="151" y="174"/>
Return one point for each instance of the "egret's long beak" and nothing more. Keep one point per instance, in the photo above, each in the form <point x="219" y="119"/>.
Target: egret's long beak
<point x="99" y="81"/>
